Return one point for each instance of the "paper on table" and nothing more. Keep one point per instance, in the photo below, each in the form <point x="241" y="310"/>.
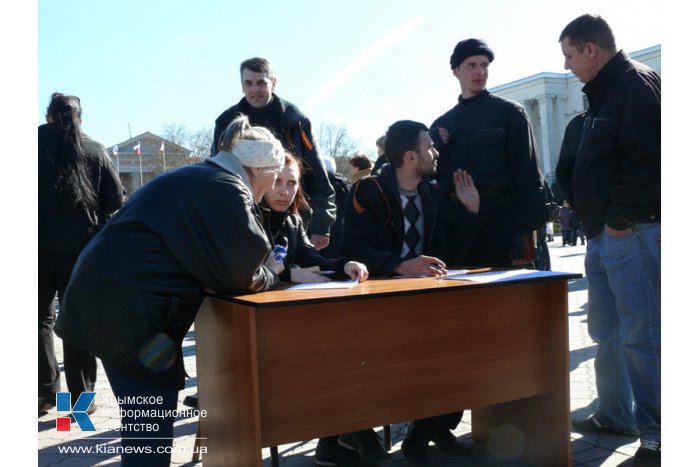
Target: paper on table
<point x="450" y="272"/>
<point x="503" y="276"/>
<point x="349" y="284"/>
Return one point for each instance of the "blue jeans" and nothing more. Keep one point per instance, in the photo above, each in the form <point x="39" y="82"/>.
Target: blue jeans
<point x="143" y="447"/>
<point x="624" y="318"/>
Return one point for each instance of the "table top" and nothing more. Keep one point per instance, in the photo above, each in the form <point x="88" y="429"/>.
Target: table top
<point x="380" y="287"/>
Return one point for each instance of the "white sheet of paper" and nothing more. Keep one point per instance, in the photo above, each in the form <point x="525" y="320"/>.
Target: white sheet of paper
<point x="349" y="284"/>
<point x="450" y="272"/>
<point x="503" y="276"/>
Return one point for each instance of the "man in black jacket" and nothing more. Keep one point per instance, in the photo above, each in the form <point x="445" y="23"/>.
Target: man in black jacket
<point x="381" y="232"/>
<point x="615" y="182"/>
<point x="264" y="108"/>
<point x="491" y="138"/>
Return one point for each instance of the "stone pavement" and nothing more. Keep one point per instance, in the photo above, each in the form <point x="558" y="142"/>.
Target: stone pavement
<point x="588" y="451"/>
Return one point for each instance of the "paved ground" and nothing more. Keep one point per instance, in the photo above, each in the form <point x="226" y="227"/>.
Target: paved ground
<point x="588" y="451"/>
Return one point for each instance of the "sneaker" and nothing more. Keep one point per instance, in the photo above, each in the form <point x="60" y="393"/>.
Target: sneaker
<point x="367" y="444"/>
<point x="648" y="454"/>
<point x="593" y="425"/>
<point x="330" y="454"/>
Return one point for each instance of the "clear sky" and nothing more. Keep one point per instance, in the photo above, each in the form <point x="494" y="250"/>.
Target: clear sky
<point x="361" y="64"/>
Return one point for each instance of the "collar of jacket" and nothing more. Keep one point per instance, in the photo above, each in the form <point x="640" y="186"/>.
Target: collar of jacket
<point x="387" y="177"/>
<point x="598" y="85"/>
<point x="229" y="163"/>
<point x="290" y="114"/>
<point x="471" y="100"/>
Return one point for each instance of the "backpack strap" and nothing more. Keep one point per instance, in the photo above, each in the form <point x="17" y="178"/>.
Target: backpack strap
<point x="360" y="209"/>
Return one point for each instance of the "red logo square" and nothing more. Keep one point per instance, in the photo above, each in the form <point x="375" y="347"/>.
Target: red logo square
<point x="63" y="424"/>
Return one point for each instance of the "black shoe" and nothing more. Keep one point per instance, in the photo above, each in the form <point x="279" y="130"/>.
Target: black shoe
<point x="448" y="443"/>
<point x="46" y="404"/>
<point x="191" y="401"/>
<point x="648" y="454"/>
<point x="595" y="426"/>
<point x="415" y="446"/>
<point x="367" y="444"/>
<point x="330" y="454"/>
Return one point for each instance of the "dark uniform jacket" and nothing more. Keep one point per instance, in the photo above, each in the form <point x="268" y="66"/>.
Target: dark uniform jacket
<point x="137" y="286"/>
<point x="63" y="227"/>
<point x="491" y="138"/>
<point x="293" y="129"/>
<point x="374" y="230"/>
<point x="616" y="175"/>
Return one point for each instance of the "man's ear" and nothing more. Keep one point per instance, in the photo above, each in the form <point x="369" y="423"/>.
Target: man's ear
<point x="409" y="157"/>
<point x="590" y="49"/>
<point x="274" y="84"/>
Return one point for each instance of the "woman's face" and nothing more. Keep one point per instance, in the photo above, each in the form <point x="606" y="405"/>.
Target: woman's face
<point x="280" y="196"/>
<point x="263" y="179"/>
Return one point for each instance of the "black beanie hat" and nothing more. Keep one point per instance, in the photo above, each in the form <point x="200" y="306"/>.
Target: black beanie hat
<point x="468" y="48"/>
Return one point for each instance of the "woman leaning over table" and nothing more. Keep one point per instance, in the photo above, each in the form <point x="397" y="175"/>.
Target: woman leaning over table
<point x="138" y="285"/>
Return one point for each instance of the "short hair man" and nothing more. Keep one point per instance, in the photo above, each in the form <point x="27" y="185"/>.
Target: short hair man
<point x="264" y="108"/>
<point x="360" y="166"/>
<point x="397" y="224"/>
<point x="615" y="185"/>
<point x="491" y="138"/>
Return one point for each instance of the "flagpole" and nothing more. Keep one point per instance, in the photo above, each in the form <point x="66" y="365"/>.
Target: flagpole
<point x="162" y="151"/>
<point x="140" y="165"/>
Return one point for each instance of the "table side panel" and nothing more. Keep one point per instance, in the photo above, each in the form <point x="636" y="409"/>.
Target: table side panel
<point x="332" y="368"/>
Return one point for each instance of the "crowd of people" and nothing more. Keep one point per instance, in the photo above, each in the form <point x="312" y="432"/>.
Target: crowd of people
<point x="467" y="190"/>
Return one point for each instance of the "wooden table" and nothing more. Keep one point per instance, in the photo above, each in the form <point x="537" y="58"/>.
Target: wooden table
<point x="285" y="366"/>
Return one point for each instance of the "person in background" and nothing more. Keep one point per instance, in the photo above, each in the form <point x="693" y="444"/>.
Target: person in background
<point x="360" y="166"/>
<point x="78" y="186"/>
<point x="137" y="286"/>
<point x="381" y="158"/>
<point x="615" y="185"/>
<point x="265" y="108"/>
<point x="565" y="223"/>
<point x="492" y="139"/>
<point x="396" y="223"/>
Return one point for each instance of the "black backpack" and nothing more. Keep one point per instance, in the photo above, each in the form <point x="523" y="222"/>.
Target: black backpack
<point x="341" y="186"/>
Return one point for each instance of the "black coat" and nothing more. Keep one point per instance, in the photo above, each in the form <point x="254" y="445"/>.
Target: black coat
<point x="616" y="174"/>
<point x="137" y="286"/>
<point x="64" y="228"/>
<point x="287" y="230"/>
<point x="374" y="230"/>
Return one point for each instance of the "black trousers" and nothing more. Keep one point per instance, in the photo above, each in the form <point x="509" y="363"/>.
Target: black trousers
<point x="79" y="366"/>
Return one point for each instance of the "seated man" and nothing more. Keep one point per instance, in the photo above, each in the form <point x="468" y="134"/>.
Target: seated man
<point x="396" y="223"/>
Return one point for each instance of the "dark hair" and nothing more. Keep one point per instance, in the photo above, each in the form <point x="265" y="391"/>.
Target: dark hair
<point x="360" y="161"/>
<point x="402" y="136"/>
<point x="72" y="178"/>
<point x="589" y="28"/>
<point x="299" y="202"/>
<point x="258" y="65"/>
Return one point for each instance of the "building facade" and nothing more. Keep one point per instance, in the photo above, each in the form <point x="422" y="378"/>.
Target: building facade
<point x="143" y="157"/>
<point x="553" y="99"/>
